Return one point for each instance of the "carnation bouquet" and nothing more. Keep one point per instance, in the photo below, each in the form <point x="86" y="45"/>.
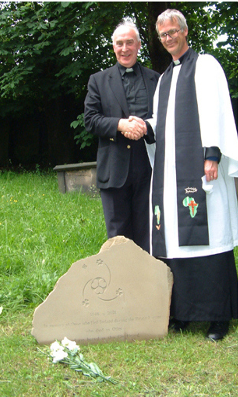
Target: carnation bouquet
<point x="68" y="352"/>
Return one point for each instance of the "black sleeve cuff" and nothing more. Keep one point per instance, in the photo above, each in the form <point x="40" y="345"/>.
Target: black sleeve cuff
<point x="213" y="153"/>
<point x="150" y="137"/>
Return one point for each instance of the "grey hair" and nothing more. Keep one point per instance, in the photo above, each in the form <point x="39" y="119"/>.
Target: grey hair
<point x="172" y="15"/>
<point x="126" y="23"/>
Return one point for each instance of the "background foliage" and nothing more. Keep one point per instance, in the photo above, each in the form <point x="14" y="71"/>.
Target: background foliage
<point x="49" y="49"/>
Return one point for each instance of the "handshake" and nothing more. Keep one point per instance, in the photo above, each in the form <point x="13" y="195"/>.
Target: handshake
<point x="132" y="128"/>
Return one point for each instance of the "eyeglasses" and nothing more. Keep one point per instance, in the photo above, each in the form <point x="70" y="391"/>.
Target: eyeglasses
<point x="171" y="33"/>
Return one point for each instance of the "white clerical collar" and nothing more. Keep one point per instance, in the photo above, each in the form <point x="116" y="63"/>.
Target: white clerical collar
<point x="134" y="68"/>
<point x="128" y="70"/>
<point x="180" y="60"/>
<point x="177" y="62"/>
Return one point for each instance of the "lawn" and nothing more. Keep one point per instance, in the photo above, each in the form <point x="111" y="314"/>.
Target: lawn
<point x="42" y="232"/>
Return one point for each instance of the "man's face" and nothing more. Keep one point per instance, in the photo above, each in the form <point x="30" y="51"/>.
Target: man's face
<point x="126" y="47"/>
<point x="176" y="46"/>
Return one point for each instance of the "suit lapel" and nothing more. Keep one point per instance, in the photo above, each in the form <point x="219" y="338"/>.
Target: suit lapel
<point x="115" y="83"/>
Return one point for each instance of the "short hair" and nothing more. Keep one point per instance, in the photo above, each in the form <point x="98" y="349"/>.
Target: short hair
<point x="172" y="15"/>
<point x="126" y="23"/>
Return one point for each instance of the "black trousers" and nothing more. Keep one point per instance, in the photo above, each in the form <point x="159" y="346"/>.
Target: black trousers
<point x="126" y="209"/>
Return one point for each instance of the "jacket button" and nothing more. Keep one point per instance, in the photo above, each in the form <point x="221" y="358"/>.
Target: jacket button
<point x="128" y="146"/>
<point x="111" y="139"/>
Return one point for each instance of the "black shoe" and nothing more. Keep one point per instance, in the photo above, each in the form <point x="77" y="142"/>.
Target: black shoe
<point x="217" y="330"/>
<point x="178" y="325"/>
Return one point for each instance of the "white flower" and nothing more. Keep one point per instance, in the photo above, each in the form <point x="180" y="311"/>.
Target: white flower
<point x="68" y="349"/>
<point x="71" y="345"/>
<point x="1" y="309"/>
<point x="58" y="355"/>
<point x="55" y="346"/>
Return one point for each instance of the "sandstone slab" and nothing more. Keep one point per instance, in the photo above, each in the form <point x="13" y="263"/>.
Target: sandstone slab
<point x="122" y="293"/>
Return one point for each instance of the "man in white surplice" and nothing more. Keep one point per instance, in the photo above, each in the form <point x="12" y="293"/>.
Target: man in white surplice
<point x="205" y="277"/>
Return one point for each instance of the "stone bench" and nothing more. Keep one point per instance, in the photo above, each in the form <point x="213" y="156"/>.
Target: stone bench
<point x="82" y="176"/>
<point x="75" y="177"/>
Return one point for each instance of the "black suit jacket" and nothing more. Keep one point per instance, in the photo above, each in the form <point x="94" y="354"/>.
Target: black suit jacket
<point x="105" y="105"/>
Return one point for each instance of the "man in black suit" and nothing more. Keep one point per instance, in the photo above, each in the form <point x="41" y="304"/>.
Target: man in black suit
<point x="123" y="166"/>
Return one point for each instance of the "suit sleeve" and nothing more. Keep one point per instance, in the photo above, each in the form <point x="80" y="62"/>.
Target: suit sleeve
<point x="95" y="116"/>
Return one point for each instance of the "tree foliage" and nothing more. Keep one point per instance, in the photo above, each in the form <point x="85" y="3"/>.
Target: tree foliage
<point x="215" y="22"/>
<point x="227" y="48"/>
<point x="50" y="47"/>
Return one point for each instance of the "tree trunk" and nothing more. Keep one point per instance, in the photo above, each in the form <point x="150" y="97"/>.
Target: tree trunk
<point x="60" y="135"/>
<point x="4" y="147"/>
<point x="160" y="58"/>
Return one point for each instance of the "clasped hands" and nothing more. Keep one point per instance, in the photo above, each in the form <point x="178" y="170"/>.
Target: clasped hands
<point x="132" y="128"/>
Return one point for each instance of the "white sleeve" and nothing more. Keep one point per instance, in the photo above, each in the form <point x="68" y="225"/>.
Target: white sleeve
<point x="153" y="120"/>
<point x="216" y="117"/>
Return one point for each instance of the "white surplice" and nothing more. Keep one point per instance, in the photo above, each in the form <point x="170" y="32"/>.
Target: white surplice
<point x="218" y="128"/>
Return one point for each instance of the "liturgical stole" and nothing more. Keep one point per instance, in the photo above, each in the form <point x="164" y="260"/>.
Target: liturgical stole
<point x="191" y="198"/>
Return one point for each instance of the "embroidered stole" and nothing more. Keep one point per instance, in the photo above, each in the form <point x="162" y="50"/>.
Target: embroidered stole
<point x="191" y="198"/>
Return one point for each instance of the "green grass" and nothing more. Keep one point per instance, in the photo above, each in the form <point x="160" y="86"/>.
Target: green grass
<point x="42" y="232"/>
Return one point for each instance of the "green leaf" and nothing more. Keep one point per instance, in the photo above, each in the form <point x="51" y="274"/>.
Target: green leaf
<point x="95" y="369"/>
<point x="74" y="124"/>
<point x="67" y="51"/>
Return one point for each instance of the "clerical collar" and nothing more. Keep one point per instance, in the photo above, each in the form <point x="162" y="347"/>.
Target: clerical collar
<point x="180" y="60"/>
<point x="177" y="62"/>
<point x="124" y="70"/>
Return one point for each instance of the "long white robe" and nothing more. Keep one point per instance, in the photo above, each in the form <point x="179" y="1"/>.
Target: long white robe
<point x="218" y="128"/>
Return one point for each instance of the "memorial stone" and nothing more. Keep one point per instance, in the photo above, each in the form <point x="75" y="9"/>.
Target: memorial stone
<point x="122" y="293"/>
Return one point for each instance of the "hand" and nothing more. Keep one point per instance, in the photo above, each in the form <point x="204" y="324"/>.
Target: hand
<point x="141" y="124"/>
<point x="132" y="128"/>
<point x="211" y="170"/>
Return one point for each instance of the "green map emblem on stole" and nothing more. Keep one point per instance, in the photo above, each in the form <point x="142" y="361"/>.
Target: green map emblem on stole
<point x="193" y="206"/>
<point x="157" y="213"/>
